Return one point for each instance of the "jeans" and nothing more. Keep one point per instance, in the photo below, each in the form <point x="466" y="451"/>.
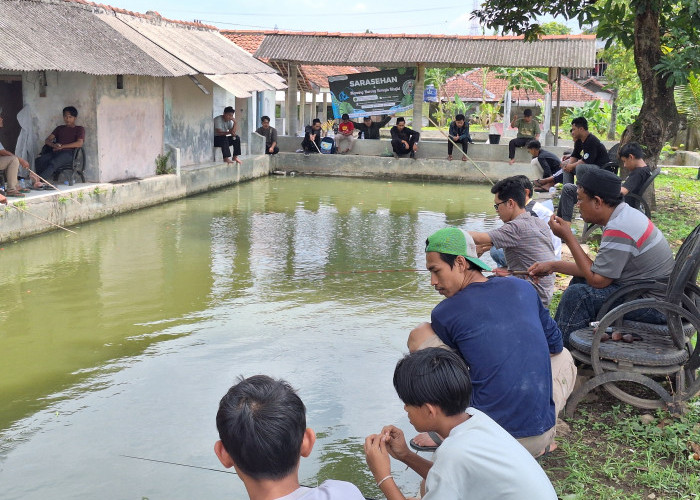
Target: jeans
<point x="400" y="149"/>
<point x="499" y="256"/>
<point x="47" y="164"/>
<point x="581" y="302"/>
<point x="567" y="201"/>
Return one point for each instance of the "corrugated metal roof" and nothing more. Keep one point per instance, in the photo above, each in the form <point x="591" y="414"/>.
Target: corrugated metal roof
<point x="241" y="85"/>
<point x="65" y="37"/>
<point x="566" y="51"/>
<point x="100" y="40"/>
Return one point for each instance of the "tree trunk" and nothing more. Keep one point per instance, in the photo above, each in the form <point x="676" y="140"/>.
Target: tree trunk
<point x="612" y="131"/>
<point x="658" y="119"/>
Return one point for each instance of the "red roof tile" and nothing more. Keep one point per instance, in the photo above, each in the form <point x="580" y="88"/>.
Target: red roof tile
<point x="469" y="86"/>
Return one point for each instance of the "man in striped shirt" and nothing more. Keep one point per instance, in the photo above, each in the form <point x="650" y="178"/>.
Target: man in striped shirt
<point x="632" y="248"/>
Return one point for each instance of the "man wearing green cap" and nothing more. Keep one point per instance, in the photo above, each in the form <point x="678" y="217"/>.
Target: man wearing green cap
<point x="631" y="249"/>
<point x="502" y="331"/>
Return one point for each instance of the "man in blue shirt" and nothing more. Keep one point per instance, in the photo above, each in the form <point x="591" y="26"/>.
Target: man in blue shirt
<point x="506" y="337"/>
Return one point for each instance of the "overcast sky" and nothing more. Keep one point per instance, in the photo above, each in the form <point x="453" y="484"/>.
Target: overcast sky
<point x="388" y="16"/>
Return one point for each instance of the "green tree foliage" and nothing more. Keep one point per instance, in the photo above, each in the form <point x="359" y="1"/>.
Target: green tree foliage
<point x="665" y="35"/>
<point x="688" y="100"/>
<point x="555" y="28"/>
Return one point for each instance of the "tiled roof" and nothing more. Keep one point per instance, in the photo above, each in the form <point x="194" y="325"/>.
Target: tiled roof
<point x="468" y="86"/>
<point x="371" y="49"/>
<point x="318" y="75"/>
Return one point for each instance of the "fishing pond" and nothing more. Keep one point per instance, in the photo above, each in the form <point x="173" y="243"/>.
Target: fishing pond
<point x="117" y="343"/>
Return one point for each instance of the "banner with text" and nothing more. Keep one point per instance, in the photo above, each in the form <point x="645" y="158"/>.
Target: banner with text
<point x="377" y="93"/>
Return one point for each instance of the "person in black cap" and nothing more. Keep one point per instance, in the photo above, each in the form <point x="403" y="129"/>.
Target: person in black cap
<point x="344" y="138"/>
<point x="631" y="249"/>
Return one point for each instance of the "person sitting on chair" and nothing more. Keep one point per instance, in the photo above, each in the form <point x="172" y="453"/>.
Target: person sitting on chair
<point x="631" y="249"/>
<point x="225" y="135"/>
<point x="632" y="158"/>
<point x="60" y="145"/>
<point x="263" y="435"/>
<point x="403" y="139"/>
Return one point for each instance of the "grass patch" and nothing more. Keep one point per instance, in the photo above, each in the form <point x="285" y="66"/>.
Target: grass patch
<point x="611" y="454"/>
<point x="677" y="203"/>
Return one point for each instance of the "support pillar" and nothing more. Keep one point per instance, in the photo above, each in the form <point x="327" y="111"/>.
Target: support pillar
<point x="556" y="130"/>
<point x="302" y="109"/>
<point x="291" y="104"/>
<point x="418" y="88"/>
<point x="548" y="139"/>
<point x="314" y="105"/>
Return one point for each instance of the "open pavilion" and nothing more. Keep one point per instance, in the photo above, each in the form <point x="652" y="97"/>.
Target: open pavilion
<point x="292" y="49"/>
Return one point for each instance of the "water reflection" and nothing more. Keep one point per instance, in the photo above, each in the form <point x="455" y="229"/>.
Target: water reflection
<point x="127" y="334"/>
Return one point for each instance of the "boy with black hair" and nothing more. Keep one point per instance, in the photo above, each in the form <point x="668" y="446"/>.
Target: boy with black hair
<point x="262" y="429"/>
<point x="270" y="135"/>
<point x="549" y="162"/>
<point x="459" y="133"/>
<point x="403" y="139"/>
<point x="478" y="459"/>
<point x="370" y="129"/>
<point x="344" y="138"/>
<point x="59" y="146"/>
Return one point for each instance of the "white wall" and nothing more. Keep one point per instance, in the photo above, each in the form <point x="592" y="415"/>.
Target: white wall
<point x="129" y="126"/>
<point x="188" y="119"/>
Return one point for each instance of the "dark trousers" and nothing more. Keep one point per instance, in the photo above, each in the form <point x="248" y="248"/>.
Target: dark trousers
<point x="399" y="148"/>
<point x="274" y="151"/>
<point x="225" y="141"/>
<point x="47" y="164"/>
<point x="518" y="142"/>
<point x="464" y="144"/>
<point x="308" y="145"/>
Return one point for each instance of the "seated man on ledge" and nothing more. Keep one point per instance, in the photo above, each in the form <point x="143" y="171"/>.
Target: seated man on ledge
<point x="504" y="334"/>
<point x="403" y="139"/>
<point x="370" y="129"/>
<point x="225" y="135"/>
<point x="270" y="135"/>
<point x="60" y="145"/>
<point x="478" y="459"/>
<point x="344" y="138"/>
<point x="263" y="435"/>
<point x="631" y="249"/>
<point x="312" y="137"/>
<point x="528" y="129"/>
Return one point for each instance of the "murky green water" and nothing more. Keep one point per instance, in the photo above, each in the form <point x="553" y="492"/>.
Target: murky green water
<point x="121" y="340"/>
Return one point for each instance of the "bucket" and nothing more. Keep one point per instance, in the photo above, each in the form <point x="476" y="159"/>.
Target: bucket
<point x="494" y="138"/>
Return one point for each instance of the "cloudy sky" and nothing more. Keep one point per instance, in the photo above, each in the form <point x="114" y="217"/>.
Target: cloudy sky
<point x="388" y="16"/>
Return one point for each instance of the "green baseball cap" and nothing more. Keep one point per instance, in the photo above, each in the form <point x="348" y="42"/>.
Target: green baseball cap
<point x="454" y="241"/>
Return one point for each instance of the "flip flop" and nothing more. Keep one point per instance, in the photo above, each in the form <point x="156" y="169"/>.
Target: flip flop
<point x="14" y="194"/>
<point x="434" y="436"/>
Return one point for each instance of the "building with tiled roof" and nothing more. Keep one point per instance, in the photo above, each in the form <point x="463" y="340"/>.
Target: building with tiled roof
<point x="470" y="87"/>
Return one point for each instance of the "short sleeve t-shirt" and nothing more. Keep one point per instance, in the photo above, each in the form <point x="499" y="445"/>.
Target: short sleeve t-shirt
<point x="526" y="240"/>
<point x="508" y="360"/>
<point x="632" y="248"/>
<point x="346" y="128"/>
<point x="481" y="461"/>
<point x="327" y="490"/>
<point x="636" y="179"/>
<point x="526" y="129"/>
<point x="68" y="135"/>
<point x="591" y="151"/>
<point x="221" y="124"/>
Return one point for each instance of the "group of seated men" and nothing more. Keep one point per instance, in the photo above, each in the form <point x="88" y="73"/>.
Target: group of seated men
<point x="57" y="151"/>
<point x="488" y="375"/>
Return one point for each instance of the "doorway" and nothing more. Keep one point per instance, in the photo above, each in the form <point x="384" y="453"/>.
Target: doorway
<point x="11" y="103"/>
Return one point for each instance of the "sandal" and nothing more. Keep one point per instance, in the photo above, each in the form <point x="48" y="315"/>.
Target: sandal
<point x="434" y="436"/>
<point x="14" y="194"/>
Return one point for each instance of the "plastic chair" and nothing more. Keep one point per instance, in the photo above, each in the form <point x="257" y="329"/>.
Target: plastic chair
<point x="76" y="168"/>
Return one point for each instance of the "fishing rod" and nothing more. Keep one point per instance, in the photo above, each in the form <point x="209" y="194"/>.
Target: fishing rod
<point x="460" y="150"/>
<point x="42" y="219"/>
<point x="198" y="467"/>
<point x="513" y="273"/>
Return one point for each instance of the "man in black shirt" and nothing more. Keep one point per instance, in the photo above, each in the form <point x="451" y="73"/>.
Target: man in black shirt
<point x="632" y="158"/>
<point x="370" y="129"/>
<point x="403" y="139"/>
<point x="587" y="150"/>
<point x="549" y="162"/>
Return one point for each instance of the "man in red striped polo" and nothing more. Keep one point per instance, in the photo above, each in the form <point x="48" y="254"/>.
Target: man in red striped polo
<point x="631" y="249"/>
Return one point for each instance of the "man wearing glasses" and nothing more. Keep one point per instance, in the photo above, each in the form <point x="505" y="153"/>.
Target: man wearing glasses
<point x="524" y="238"/>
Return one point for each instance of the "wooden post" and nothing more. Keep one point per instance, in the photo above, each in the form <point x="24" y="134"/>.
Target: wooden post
<point x="291" y="104"/>
<point x="418" y="88"/>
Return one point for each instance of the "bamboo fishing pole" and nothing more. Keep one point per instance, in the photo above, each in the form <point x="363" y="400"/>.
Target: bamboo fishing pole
<point x="371" y="271"/>
<point x="460" y="150"/>
<point x="42" y="219"/>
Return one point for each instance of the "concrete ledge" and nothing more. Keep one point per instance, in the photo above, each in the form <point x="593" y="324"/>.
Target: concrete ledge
<point x="403" y="168"/>
<point x="93" y="201"/>
<point x="434" y="149"/>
